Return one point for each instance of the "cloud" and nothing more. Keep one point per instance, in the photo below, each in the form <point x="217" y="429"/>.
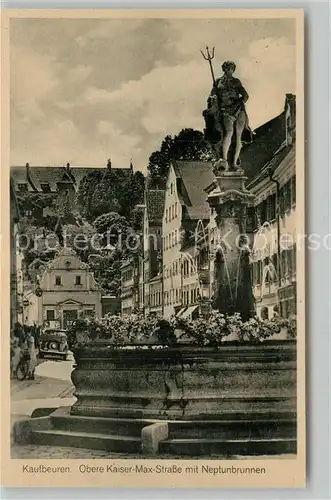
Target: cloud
<point x="268" y="72"/>
<point x="84" y="90"/>
<point x="172" y="97"/>
<point x="33" y="79"/>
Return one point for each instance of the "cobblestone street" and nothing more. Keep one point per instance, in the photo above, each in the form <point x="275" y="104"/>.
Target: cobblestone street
<point x="58" y="452"/>
<point x="33" y="452"/>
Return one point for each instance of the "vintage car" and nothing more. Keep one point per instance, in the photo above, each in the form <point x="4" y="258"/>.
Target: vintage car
<point x="53" y="342"/>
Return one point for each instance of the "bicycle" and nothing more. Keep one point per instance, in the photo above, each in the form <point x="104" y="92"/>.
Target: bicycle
<point x="22" y="369"/>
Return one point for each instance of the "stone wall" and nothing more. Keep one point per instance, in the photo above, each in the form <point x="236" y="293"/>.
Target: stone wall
<point x="186" y="382"/>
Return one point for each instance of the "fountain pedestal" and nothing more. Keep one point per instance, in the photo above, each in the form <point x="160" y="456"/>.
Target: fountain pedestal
<point x="232" y="284"/>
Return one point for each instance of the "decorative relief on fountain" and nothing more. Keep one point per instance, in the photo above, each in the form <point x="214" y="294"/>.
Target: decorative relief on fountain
<point x="232" y="209"/>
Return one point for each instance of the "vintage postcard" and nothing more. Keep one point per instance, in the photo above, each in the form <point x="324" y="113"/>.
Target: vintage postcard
<point x="153" y="235"/>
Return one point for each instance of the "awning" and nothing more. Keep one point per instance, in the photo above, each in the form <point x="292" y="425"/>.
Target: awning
<point x="189" y="311"/>
<point x="180" y="312"/>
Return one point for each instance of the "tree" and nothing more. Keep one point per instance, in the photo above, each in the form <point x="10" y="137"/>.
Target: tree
<point x="107" y="272"/>
<point x="112" y="190"/>
<point x="33" y="204"/>
<point x="189" y="144"/>
<point x="111" y="223"/>
<point x="81" y="239"/>
<point x="86" y="190"/>
<point x="137" y="218"/>
<point x="118" y="242"/>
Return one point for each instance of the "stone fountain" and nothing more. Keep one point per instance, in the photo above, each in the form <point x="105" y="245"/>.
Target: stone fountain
<point x="232" y="284"/>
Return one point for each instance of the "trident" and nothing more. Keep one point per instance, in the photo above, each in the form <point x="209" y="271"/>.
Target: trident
<point x="209" y="58"/>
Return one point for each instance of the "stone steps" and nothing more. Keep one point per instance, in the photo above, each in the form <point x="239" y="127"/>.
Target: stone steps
<point x="234" y="434"/>
<point x="228" y="447"/>
<point x="195" y="429"/>
<point x="100" y="425"/>
<point x="94" y="441"/>
<point x="234" y="429"/>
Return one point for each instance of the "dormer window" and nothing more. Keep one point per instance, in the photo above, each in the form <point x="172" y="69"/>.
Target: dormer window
<point x="23" y="187"/>
<point x="45" y="187"/>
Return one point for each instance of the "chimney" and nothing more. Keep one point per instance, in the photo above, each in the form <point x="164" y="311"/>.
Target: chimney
<point x="131" y="165"/>
<point x="68" y="166"/>
<point x="28" y="177"/>
<point x="109" y="163"/>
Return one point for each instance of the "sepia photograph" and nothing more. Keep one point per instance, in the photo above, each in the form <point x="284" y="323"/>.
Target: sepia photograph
<point x="155" y="231"/>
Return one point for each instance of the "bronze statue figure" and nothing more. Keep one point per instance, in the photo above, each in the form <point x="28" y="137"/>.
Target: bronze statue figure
<point x="226" y="117"/>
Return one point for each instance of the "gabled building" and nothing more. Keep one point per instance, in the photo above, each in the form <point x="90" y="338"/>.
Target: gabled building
<point x="63" y="182"/>
<point x="127" y="288"/>
<point x="273" y="222"/>
<point x="69" y="291"/>
<point x="152" y="227"/>
<point x="185" y="208"/>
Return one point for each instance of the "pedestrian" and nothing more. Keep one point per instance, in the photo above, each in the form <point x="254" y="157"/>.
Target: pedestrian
<point x="15" y="356"/>
<point x="33" y="355"/>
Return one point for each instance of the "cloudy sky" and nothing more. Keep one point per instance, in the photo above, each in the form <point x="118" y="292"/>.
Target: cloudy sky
<point x="85" y="90"/>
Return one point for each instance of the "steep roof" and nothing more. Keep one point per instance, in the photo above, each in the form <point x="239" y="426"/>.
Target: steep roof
<point x="269" y="167"/>
<point x="192" y="178"/>
<point x="268" y="138"/>
<point x="155" y="205"/>
<point x="14" y="204"/>
<point x="53" y="175"/>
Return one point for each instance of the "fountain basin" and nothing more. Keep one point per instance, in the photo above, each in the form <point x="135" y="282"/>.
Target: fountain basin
<point x="185" y="381"/>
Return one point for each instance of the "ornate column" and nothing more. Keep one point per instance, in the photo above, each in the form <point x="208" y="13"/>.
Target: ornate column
<point x="232" y="277"/>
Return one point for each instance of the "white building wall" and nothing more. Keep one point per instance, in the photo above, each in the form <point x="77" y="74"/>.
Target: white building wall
<point x="171" y="232"/>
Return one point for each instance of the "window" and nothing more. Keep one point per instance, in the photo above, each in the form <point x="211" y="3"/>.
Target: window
<point x="58" y="280"/>
<point x="166" y="216"/>
<point x="283" y="260"/>
<point x="266" y="269"/>
<point x="176" y="206"/>
<point x="251" y="219"/>
<point x="288" y="195"/>
<point x="274" y="260"/>
<point x="281" y="202"/>
<point x="45" y="187"/>
<point x="176" y="295"/>
<point x="78" y="280"/>
<point x="50" y="315"/>
<point x="22" y="187"/>
<point x="263" y="211"/>
<point x="172" y="212"/>
<point x="264" y="313"/>
<point x="272" y="207"/>
<point x="290" y="261"/>
<point x="171" y="188"/>
<point x="258" y="272"/>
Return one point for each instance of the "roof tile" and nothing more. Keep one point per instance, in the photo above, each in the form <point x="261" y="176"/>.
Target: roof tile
<point x="155" y="205"/>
